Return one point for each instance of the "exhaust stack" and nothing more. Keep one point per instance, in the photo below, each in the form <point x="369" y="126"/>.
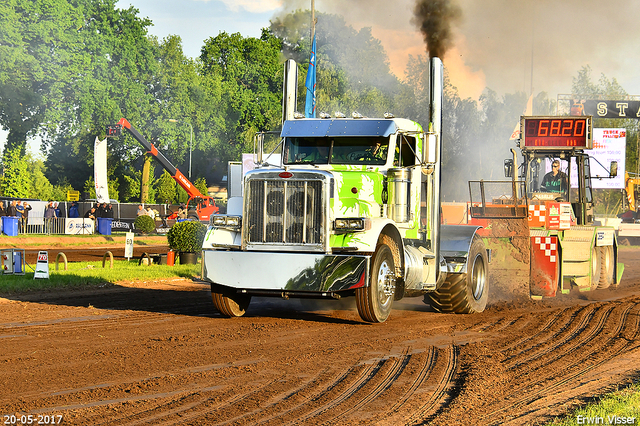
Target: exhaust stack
<point x="289" y="90"/>
<point x="436" y="99"/>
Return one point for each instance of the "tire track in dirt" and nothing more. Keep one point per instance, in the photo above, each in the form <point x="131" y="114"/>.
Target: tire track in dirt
<point x="515" y="365"/>
<point x="545" y="385"/>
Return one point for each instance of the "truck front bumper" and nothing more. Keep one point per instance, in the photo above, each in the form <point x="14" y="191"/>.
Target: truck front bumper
<point x="292" y="272"/>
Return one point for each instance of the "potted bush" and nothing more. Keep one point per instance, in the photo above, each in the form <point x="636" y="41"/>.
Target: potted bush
<point x="144" y="224"/>
<point x="186" y="238"/>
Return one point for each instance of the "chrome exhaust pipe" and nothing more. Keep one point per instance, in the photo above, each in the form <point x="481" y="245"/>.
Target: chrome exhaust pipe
<point x="289" y="90"/>
<point x="436" y="100"/>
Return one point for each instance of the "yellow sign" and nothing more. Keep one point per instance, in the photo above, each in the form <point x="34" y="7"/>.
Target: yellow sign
<point x="73" y="195"/>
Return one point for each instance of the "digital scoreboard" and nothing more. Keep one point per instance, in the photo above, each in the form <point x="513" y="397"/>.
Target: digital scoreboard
<point x="555" y="133"/>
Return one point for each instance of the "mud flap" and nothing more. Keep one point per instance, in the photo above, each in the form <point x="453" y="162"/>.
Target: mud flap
<point x="545" y="266"/>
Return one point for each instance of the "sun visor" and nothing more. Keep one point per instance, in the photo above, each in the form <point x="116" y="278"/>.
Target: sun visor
<point x="327" y="128"/>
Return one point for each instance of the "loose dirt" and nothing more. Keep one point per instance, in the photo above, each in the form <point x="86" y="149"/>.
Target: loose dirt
<point x="143" y="353"/>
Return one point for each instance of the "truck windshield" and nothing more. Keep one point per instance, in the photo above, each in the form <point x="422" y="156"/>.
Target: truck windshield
<point x="336" y="150"/>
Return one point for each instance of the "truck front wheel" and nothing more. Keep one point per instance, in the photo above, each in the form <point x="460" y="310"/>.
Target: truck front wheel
<point x="464" y="293"/>
<point x="230" y="305"/>
<point x="374" y="302"/>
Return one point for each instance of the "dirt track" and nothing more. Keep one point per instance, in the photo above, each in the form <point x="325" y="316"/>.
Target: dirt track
<point x="157" y="353"/>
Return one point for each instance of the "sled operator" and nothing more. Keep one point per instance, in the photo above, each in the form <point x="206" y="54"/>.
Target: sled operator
<point x="555" y="180"/>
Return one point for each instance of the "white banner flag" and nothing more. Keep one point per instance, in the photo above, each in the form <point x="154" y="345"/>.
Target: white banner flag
<point x="100" y="170"/>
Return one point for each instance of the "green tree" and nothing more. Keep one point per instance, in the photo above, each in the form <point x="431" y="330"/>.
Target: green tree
<point x="251" y="84"/>
<point x="17" y="181"/>
<point x="60" y="190"/>
<point x="41" y="56"/>
<point x="90" y="187"/>
<point x="201" y="184"/>
<point x="41" y="187"/>
<point x="119" y="63"/>
<point x="166" y="188"/>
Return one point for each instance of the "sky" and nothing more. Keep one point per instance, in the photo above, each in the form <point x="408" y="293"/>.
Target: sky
<point x="506" y="45"/>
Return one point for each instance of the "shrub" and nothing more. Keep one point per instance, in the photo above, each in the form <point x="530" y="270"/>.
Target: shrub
<point x="144" y="224"/>
<point x="187" y="236"/>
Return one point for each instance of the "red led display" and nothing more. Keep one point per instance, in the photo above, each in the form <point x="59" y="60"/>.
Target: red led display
<point x="556" y="132"/>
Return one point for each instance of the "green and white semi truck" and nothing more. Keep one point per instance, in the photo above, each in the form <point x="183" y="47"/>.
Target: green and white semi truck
<point x="352" y="210"/>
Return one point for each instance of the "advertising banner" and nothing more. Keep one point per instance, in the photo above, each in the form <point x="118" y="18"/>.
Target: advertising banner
<point x="608" y="145"/>
<point x="100" y="170"/>
<point x="78" y="225"/>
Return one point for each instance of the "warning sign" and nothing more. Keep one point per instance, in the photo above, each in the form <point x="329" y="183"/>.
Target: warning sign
<point x="42" y="265"/>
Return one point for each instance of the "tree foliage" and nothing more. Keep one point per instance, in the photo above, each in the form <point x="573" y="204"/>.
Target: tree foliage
<point x="70" y="67"/>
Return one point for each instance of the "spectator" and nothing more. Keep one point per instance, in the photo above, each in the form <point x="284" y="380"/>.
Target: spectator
<point x="25" y="215"/>
<point x="99" y="211"/>
<point x="109" y="211"/>
<point x="141" y="211"/>
<point x="182" y="211"/>
<point x="73" y="210"/>
<point x="11" y="208"/>
<point x="56" y="207"/>
<point x="49" y="217"/>
<point x="91" y="214"/>
<point x="2" y="211"/>
<point x="150" y="213"/>
<point x="19" y="214"/>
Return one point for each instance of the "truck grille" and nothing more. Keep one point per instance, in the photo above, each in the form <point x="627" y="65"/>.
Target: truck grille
<point x="284" y="211"/>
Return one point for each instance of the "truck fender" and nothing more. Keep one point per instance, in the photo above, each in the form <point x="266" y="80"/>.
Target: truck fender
<point x="455" y="244"/>
<point x="366" y="241"/>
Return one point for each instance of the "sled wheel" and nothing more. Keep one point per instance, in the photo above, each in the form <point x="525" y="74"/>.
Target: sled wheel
<point x="464" y="293"/>
<point x="374" y="302"/>
<point x="230" y="305"/>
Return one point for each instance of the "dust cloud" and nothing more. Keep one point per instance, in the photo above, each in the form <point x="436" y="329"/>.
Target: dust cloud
<point x="508" y="46"/>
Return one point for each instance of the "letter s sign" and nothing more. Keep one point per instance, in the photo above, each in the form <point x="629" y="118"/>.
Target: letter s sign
<point x="602" y="109"/>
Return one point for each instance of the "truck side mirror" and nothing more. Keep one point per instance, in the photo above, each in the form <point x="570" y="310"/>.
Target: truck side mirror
<point x="613" y="169"/>
<point x="508" y="168"/>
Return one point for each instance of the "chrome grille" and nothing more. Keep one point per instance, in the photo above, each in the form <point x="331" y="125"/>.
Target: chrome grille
<point x="284" y="211"/>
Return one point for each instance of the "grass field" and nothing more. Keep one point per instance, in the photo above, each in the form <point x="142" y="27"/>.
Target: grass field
<point x="621" y="407"/>
<point x="93" y="274"/>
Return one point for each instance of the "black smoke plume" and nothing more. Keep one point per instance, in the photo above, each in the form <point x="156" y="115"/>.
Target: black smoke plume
<point x="435" y="18"/>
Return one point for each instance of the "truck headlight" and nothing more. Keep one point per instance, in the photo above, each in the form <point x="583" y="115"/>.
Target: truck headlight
<point x="224" y="221"/>
<point x="350" y="224"/>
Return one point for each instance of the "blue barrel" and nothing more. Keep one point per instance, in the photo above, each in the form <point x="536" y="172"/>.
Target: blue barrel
<point x="104" y="225"/>
<point x="10" y="225"/>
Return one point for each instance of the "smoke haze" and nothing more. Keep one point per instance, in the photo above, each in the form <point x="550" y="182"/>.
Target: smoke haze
<point x="506" y="45"/>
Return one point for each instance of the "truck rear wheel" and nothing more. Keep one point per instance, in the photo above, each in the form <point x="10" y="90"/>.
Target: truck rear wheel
<point x="464" y="293"/>
<point x="230" y="305"/>
<point x="374" y="302"/>
<point x="606" y="266"/>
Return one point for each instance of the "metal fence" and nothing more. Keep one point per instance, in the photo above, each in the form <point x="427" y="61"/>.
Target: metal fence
<point x="36" y="223"/>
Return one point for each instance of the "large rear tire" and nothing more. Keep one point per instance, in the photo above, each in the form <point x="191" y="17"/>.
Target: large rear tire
<point x="606" y="266"/>
<point x="374" y="302"/>
<point x="464" y="293"/>
<point x="230" y="305"/>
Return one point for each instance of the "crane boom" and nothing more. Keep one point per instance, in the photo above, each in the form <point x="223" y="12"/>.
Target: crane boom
<point x="170" y="168"/>
<point x="205" y="205"/>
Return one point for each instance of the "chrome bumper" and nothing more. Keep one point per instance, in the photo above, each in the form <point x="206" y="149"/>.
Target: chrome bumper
<point x="296" y="272"/>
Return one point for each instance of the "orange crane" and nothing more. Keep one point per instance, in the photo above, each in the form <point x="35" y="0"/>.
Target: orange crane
<point x="202" y="206"/>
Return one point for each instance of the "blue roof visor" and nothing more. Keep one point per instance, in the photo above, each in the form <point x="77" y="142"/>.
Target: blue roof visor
<point x="338" y="127"/>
